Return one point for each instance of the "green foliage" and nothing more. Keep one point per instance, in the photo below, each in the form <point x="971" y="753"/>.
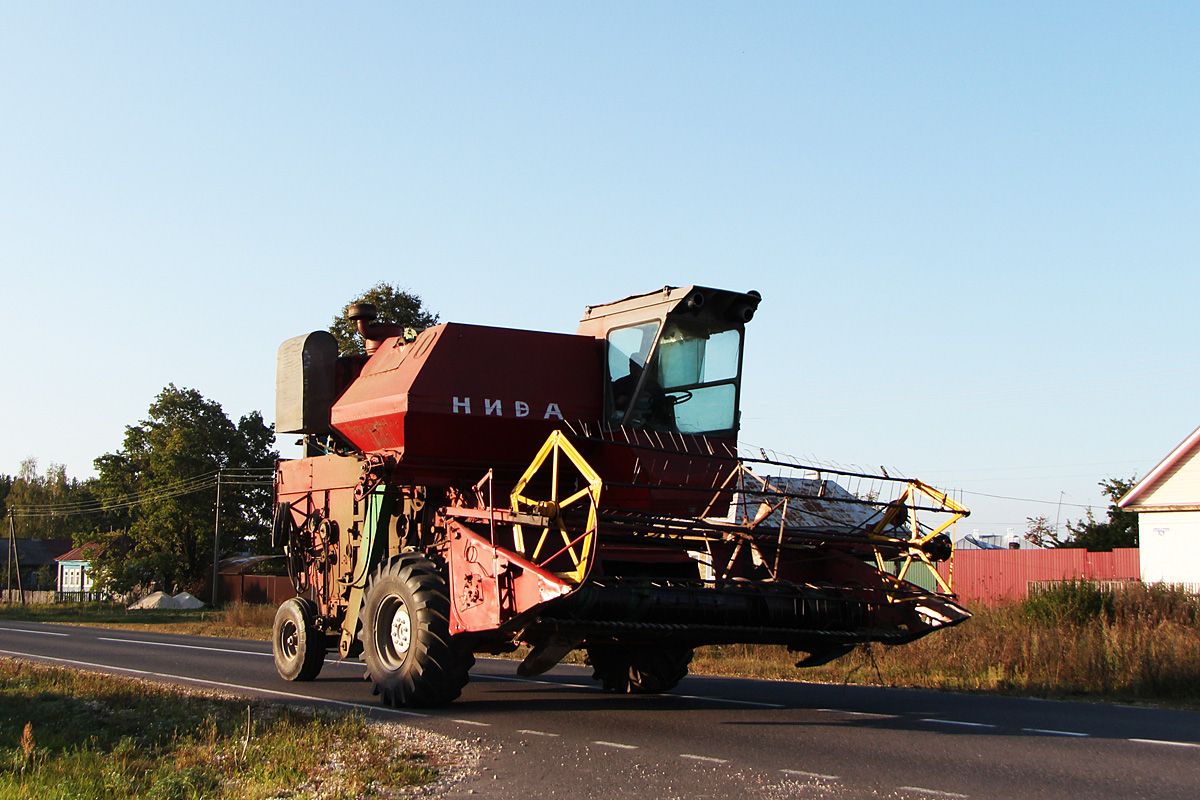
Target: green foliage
<point x="37" y="501"/>
<point x="70" y="733"/>
<point x="6" y="482"/>
<point x="166" y="537"/>
<point x="1040" y="532"/>
<point x="1071" y="603"/>
<point x="47" y="577"/>
<point x="395" y="305"/>
<point x="1119" y="530"/>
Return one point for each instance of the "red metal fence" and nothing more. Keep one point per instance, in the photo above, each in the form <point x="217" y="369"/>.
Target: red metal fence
<point x="994" y="576"/>
<point x="270" y="589"/>
<point x="979" y="576"/>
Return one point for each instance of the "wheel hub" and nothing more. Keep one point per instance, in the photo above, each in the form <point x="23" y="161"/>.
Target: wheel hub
<point x="290" y="645"/>
<point x="401" y="631"/>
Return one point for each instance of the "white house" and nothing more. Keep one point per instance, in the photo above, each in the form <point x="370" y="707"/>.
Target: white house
<point x="1167" y="502"/>
<point x="74" y="573"/>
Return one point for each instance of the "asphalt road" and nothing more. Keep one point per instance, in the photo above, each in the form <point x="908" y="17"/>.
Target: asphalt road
<point x="560" y="736"/>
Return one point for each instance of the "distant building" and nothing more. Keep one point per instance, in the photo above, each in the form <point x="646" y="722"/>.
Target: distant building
<point x="75" y="573"/>
<point x="32" y="555"/>
<point x="1167" y="502"/>
<point x="989" y="541"/>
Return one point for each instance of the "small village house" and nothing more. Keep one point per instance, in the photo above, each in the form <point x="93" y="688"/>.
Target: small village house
<point x="32" y="555"/>
<point x="1167" y="502"/>
<point x="75" y="574"/>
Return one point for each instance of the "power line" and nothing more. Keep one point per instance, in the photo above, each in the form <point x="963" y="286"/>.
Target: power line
<point x="1023" y="376"/>
<point x="242" y="476"/>
<point x="1025" y="499"/>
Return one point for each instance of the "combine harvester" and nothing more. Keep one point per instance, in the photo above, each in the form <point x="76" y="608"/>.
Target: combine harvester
<point x="475" y="489"/>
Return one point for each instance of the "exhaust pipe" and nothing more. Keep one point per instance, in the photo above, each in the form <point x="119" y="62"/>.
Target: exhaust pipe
<point x="373" y="332"/>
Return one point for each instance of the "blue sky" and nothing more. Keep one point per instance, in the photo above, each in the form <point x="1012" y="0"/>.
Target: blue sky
<point x="975" y="226"/>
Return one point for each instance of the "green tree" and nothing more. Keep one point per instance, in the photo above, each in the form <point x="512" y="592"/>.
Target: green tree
<point x="1041" y="532"/>
<point x="160" y="491"/>
<point x="47" y="578"/>
<point x="46" y="506"/>
<point x="1119" y="530"/>
<point x="6" y="482"/>
<point x="395" y="305"/>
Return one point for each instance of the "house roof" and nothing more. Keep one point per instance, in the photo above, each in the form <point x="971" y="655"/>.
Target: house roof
<point x="1165" y="469"/>
<point x="85" y="552"/>
<point x="36" y="552"/>
<point x="236" y="565"/>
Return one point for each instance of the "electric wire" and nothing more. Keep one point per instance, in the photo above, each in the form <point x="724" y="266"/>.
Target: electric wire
<point x="242" y="476"/>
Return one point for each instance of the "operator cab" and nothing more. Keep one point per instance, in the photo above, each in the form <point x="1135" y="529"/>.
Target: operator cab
<point x="673" y="359"/>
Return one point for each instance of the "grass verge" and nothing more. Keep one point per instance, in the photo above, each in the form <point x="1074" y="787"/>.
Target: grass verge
<point x="75" y="734"/>
<point x="1076" y="641"/>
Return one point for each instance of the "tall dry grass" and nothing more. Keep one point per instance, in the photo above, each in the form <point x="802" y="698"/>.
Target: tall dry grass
<point x="1140" y="643"/>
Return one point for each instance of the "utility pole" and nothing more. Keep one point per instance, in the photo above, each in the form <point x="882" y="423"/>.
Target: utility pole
<point x="1058" y="514"/>
<point x="216" y="541"/>
<point x="9" y="561"/>
<point x="12" y="560"/>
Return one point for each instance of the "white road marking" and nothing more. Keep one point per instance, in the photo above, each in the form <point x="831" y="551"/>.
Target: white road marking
<point x="472" y="722"/>
<point x="184" y="646"/>
<point x="709" y="759"/>
<point x="802" y="774"/>
<point x="1164" y="741"/>
<point x="39" y="633"/>
<point x="405" y="713"/>
<point x="220" y="684"/>
<point x="512" y="679"/>
<point x="1050" y="732"/>
<point x="341" y="662"/>
<point x="727" y="700"/>
<point x="537" y="733"/>
<point x="598" y="688"/>
<point x="958" y="722"/>
<point x="856" y="713"/>
<point x="933" y="792"/>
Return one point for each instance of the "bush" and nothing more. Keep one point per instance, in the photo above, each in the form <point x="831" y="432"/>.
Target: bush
<point x="1070" y="602"/>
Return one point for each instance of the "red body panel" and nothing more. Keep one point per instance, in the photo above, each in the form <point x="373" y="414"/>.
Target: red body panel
<point x="465" y="398"/>
<point x="489" y="586"/>
<point x="675" y="474"/>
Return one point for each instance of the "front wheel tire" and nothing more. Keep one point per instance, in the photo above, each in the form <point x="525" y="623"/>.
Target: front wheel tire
<point x="298" y="646"/>
<point x="410" y="655"/>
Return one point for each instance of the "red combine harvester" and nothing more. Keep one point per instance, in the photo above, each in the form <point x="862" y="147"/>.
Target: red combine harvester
<point x="474" y="490"/>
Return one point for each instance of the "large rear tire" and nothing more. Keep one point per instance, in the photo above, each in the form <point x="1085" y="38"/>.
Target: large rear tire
<point x="298" y="646"/>
<point x="632" y="669"/>
<point x="406" y="635"/>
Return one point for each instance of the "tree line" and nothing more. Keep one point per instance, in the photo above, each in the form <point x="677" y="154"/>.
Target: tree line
<point x="1118" y="529"/>
<point x="151" y="508"/>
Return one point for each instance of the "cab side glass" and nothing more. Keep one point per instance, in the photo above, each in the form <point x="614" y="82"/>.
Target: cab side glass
<point x="628" y="350"/>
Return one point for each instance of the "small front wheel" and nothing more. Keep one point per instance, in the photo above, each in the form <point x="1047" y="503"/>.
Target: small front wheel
<point x="298" y="646"/>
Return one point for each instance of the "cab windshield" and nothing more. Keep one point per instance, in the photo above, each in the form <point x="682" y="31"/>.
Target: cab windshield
<point x="684" y="379"/>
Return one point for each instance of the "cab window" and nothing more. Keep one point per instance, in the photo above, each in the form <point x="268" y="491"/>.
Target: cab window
<point x="687" y="383"/>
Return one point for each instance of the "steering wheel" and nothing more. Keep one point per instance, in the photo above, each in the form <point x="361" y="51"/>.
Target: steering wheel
<point x="680" y="396"/>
